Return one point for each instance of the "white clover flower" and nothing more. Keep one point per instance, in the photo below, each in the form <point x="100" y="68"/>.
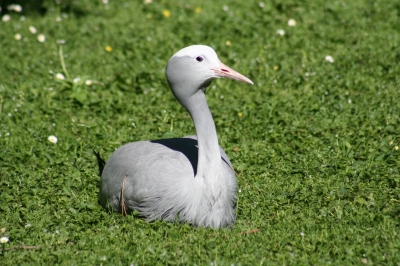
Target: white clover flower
<point x="105" y="2"/>
<point x="291" y="22"/>
<point x="16" y="8"/>
<point x="23" y="18"/>
<point x="28" y="225"/>
<point x="58" y="19"/>
<point x="60" y="76"/>
<point x="88" y="82"/>
<point x="41" y="38"/>
<point x="52" y="139"/>
<point x="329" y="59"/>
<point x="261" y="4"/>
<point x="302" y="234"/>
<point x="32" y="29"/>
<point x="17" y="36"/>
<point x="77" y="79"/>
<point x="4" y="239"/>
<point x="280" y="32"/>
<point x="225" y="8"/>
<point x="146" y="2"/>
<point x="6" y="18"/>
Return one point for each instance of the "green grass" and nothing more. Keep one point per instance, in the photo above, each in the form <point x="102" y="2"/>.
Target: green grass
<point x="315" y="146"/>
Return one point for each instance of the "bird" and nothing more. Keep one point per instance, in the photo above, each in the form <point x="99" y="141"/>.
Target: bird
<point x="189" y="179"/>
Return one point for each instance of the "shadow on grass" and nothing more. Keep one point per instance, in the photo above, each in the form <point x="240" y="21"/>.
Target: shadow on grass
<point x="28" y="6"/>
<point x="41" y="7"/>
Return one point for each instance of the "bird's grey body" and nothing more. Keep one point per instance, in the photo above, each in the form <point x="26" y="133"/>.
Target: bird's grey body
<point x="187" y="179"/>
<point x="151" y="187"/>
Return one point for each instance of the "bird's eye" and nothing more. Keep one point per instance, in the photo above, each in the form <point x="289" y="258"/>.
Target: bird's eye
<point x="199" y="58"/>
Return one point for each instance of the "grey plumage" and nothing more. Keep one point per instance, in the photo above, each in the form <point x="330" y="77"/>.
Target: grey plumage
<point x="187" y="179"/>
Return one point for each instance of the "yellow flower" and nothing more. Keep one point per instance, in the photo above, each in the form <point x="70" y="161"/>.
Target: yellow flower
<point x="198" y="10"/>
<point x="276" y="68"/>
<point x="228" y="43"/>
<point x="3" y="230"/>
<point x="166" y="13"/>
<point x="17" y="36"/>
<point x="108" y="48"/>
<point x="396" y="147"/>
<point x="240" y="114"/>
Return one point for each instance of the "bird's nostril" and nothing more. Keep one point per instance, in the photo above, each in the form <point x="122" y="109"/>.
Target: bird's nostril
<point x="225" y="70"/>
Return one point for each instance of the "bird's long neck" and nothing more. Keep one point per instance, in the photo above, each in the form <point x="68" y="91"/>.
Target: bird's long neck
<point x="209" y="160"/>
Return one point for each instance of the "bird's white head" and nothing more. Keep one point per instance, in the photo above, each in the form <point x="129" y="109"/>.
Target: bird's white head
<point x="193" y="68"/>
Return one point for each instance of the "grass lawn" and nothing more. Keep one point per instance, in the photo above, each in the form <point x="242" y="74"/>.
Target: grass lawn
<point x="315" y="142"/>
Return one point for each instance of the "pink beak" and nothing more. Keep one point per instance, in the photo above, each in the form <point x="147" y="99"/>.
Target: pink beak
<point x="223" y="71"/>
